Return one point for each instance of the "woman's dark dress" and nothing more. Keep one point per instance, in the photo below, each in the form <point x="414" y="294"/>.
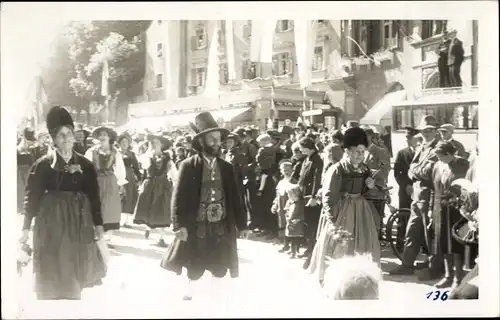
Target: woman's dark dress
<point x="67" y="206"/>
<point x="153" y="205"/>
<point x="129" y="198"/>
<point x="25" y="159"/>
<point x="443" y="216"/>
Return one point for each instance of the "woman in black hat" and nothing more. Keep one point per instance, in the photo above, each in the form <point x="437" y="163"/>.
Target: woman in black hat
<point x="155" y="193"/>
<point x="26" y="156"/>
<point x="111" y="175"/>
<point x="62" y="193"/>
<point x="133" y="175"/>
<point x="345" y="208"/>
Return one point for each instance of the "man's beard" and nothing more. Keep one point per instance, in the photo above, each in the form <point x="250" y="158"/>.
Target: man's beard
<point x="211" y="151"/>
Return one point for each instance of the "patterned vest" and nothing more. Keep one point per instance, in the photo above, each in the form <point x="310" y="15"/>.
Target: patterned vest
<point x="212" y="212"/>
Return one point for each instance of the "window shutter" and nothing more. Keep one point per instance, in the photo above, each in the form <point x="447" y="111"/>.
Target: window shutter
<point x="194" y="43"/>
<point x="290" y="65"/>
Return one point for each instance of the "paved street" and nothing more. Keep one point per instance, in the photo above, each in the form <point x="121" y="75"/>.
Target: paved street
<point x="137" y="287"/>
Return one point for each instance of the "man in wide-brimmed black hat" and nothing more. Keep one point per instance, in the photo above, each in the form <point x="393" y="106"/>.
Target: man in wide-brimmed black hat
<point x="420" y="172"/>
<point x="207" y="211"/>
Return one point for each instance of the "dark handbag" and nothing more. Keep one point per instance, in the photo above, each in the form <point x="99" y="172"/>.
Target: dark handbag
<point x="462" y="233"/>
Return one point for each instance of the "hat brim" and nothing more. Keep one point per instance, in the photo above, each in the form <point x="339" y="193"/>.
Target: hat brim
<point x="426" y="127"/>
<point x="111" y="133"/>
<point x="444" y="129"/>
<point x="196" y="145"/>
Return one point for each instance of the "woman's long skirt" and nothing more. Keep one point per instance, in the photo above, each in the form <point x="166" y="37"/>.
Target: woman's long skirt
<point x="66" y="258"/>
<point x="354" y="215"/>
<point x="22" y="175"/>
<point x="111" y="206"/>
<point x="443" y="242"/>
<point x="267" y="220"/>
<point x="153" y="205"/>
<point x="129" y="199"/>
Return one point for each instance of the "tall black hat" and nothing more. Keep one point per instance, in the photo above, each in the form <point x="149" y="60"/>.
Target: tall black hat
<point x="205" y="123"/>
<point x="56" y="118"/>
<point x="355" y="136"/>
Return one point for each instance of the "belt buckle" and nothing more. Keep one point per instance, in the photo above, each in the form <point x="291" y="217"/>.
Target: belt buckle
<point x="214" y="212"/>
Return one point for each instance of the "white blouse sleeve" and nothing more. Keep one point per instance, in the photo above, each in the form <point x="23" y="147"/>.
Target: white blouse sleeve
<point x="145" y="160"/>
<point x="172" y="171"/>
<point x="89" y="154"/>
<point x="120" y="171"/>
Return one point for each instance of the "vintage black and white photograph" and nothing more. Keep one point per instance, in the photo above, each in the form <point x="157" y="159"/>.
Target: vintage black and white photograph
<point x="258" y="167"/>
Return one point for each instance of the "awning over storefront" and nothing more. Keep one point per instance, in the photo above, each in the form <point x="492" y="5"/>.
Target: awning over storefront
<point x="229" y="114"/>
<point x="181" y="119"/>
<point x="383" y="108"/>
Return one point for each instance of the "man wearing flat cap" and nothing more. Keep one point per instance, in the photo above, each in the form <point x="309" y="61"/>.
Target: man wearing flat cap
<point x="401" y="167"/>
<point x="420" y="172"/>
<point x="446" y="132"/>
<point x="207" y="212"/>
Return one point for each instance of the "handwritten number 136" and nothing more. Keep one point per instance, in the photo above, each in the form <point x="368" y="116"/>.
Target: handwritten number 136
<point x="437" y="294"/>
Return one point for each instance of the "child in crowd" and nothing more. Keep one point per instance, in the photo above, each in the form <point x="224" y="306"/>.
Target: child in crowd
<point x="266" y="159"/>
<point x="281" y="199"/>
<point x="294" y="231"/>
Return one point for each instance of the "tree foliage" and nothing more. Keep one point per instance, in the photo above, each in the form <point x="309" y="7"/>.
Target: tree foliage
<point x="72" y="75"/>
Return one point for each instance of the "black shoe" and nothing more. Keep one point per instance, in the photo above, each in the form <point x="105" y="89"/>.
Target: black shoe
<point x="402" y="271"/>
<point x="427" y="275"/>
<point x="161" y="243"/>
<point x="284" y="249"/>
<point x="146" y="234"/>
<point x="444" y="283"/>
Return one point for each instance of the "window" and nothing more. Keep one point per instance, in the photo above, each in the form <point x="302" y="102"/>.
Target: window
<point x="223" y="73"/>
<point x="282" y="64"/>
<point x="363" y="35"/>
<point x="284" y="25"/>
<point x="159" y="81"/>
<point x="318" y="59"/>
<point x="432" y="28"/>
<point x="159" y="50"/>
<point x="462" y="116"/>
<point x="199" y="76"/>
<point x="391" y="32"/>
<point x="247" y="30"/>
<point x="200" y="38"/>
<point x="249" y="70"/>
<point x="221" y="37"/>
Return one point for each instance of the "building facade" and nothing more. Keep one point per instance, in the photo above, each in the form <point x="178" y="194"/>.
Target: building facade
<point x="355" y="63"/>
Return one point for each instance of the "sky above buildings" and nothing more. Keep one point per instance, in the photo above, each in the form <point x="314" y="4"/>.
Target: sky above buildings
<point x="26" y="43"/>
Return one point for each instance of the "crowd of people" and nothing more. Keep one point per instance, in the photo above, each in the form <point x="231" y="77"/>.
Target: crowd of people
<point x="317" y="191"/>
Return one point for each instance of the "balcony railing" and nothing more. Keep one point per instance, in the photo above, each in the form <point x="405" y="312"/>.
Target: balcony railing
<point x="449" y="91"/>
